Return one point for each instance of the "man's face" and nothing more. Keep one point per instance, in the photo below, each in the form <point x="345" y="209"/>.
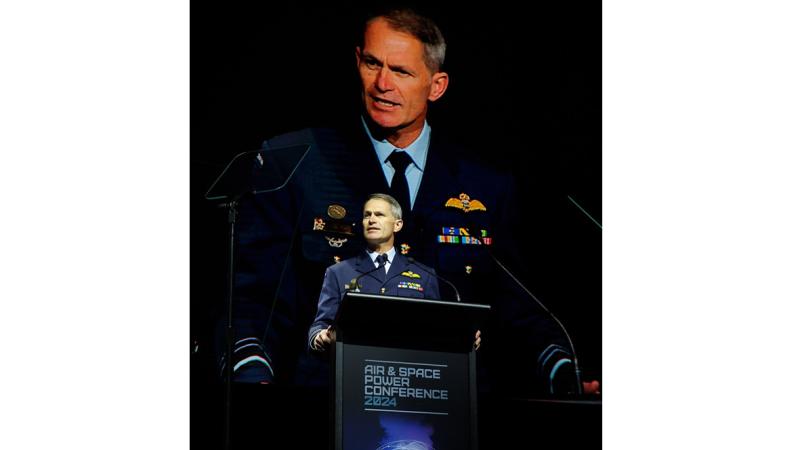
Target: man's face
<point x="379" y="223"/>
<point x="396" y="83"/>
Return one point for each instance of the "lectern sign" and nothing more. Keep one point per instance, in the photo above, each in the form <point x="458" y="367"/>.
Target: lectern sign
<point x="404" y="372"/>
<point x="412" y="396"/>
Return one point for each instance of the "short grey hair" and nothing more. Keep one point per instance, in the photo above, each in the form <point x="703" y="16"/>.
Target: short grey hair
<point x="397" y="210"/>
<point x="421" y="27"/>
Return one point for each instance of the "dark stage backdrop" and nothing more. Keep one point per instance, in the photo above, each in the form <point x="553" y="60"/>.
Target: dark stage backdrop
<point x="525" y="95"/>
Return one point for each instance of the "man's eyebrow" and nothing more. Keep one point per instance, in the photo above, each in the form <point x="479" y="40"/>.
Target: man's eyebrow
<point x="403" y="69"/>
<point x="368" y="57"/>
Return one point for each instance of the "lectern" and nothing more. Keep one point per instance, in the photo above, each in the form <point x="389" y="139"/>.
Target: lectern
<point x="404" y="374"/>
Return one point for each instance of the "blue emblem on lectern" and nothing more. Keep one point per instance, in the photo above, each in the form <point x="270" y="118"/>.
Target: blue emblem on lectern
<point x="405" y="445"/>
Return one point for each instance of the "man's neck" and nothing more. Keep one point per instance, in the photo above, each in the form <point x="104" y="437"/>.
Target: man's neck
<point x="381" y="248"/>
<point x="404" y="137"/>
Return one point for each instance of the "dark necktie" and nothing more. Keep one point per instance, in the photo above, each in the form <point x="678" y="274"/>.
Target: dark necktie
<point x="382" y="260"/>
<point x="399" y="187"/>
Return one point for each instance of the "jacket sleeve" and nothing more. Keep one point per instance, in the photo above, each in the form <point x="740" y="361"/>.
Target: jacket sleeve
<point x="329" y="299"/>
<point x="264" y="310"/>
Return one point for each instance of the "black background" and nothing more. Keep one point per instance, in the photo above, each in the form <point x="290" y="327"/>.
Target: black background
<point x="524" y="95"/>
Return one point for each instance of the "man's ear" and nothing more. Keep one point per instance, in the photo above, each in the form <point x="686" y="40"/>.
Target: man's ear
<point x="438" y="85"/>
<point x="358" y="56"/>
<point x="398" y="225"/>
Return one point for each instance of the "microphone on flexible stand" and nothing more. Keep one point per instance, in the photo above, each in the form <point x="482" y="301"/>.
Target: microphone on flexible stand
<point x="541" y="305"/>
<point x="413" y="261"/>
<point x="353" y="286"/>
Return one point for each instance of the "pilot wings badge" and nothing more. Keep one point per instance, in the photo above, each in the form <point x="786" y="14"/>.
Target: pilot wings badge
<point x="464" y="203"/>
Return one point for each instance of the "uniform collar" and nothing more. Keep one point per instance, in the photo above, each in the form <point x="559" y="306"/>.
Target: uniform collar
<point x="417" y="150"/>
<point x="390" y="254"/>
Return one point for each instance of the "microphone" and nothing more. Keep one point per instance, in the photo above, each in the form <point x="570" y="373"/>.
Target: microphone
<point x="413" y="261"/>
<point x="353" y="287"/>
<point x="541" y="305"/>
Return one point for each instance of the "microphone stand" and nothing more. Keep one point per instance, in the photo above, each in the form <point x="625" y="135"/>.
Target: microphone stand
<point x="579" y="386"/>
<point x="229" y="332"/>
<point x="229" y="328"/>
<point x="239" y="178"/>
<point x="354" y="287"/>
<point x="453" y="286"/>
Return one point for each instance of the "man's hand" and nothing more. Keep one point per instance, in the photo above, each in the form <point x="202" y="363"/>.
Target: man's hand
<point x="477" y="343"/>
<point x="323" y="339"/>
<point x="591" y="387"/>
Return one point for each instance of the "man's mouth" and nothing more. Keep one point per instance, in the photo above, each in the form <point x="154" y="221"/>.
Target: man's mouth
<point x="384" y="102"/>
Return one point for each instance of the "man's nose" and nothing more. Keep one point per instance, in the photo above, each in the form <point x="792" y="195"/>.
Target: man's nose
<point x="383" y="80"/>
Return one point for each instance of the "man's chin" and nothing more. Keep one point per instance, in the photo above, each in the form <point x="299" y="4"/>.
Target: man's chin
<point x="374" y="243"/>
<point x="384" y="120"/>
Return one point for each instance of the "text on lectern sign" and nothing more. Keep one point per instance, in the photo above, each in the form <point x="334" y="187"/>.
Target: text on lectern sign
<point x="402" y="395"/>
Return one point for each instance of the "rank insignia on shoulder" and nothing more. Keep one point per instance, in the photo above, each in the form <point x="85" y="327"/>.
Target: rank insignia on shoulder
<point x="336" y="211"/>
<point x="410" y="274"/>
<point x="337" y="259"/>
<point x="468" y="269"/>
<point x="464" y="203"/>
<point x="405" y="248"/>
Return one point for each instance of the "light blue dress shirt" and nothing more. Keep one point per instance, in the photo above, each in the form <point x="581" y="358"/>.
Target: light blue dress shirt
<point x="418" y="151"/>
<point x="390" y="254"/>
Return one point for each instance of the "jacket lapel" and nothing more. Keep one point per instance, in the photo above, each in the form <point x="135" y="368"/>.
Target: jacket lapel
<point x="435" y="190"/>
<point x="399" y="265"/>
<point x="364" y="265"/>
<point x="371" y="179"/>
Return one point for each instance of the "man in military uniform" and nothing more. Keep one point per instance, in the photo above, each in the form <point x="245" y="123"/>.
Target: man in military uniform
<point x="456" y="212"/>
<point x="378" y="269"/>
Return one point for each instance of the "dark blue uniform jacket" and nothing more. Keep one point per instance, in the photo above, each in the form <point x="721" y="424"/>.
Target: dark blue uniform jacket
<point x="402" y="280"/>
<point x="288" y="238"/>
